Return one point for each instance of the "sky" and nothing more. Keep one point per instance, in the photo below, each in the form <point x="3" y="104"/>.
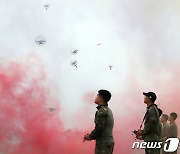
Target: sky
<point x="139" y="39"/>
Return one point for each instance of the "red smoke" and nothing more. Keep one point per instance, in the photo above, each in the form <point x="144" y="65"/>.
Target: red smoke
<point x="28" y="126"/>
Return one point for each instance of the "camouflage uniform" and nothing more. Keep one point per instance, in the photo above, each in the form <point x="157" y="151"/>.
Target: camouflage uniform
<point x="151" y="128"/>
<point x="160" y="134"/>
<point x="102" y="133"/>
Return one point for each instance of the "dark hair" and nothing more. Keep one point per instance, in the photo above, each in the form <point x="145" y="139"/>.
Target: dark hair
<point x="105" y="94"/>
<point x="160" y="112"/>
<point x="174" y="115"/>
<point x="165" y="116"/>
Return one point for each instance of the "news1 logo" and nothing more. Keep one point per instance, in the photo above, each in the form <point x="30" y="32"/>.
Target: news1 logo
<point x="170" y="145"/>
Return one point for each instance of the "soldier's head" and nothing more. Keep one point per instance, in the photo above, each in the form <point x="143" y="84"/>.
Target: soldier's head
<point x="173" y="116"/>
<point x="103" y="97"/>
<point x="149" y="98"/>
<point x="164" y="118"/>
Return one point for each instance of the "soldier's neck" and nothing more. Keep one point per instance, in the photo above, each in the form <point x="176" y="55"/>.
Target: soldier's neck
<point x="102" y="103"/>
<point x="149" y="104"/>
<point x="171" y="122"/>
<point x="164" y="123"/>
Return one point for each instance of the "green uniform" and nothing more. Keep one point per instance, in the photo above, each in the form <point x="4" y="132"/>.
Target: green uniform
<point x="151" y="127"/>
<point x="173" y="133"/>
<point x="164" y="136"/>
<point x="165" y="131"/>
<point x="102" y="133"/>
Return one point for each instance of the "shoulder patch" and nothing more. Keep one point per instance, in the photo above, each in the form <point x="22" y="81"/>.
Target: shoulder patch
<point x="102" y="111"/>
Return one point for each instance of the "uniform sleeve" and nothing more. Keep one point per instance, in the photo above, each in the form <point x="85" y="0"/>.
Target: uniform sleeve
<point x="99" y="124"/>
<point x="150" y="124"/>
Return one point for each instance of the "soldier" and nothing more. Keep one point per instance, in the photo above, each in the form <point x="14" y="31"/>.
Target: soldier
<point x="150" y="133"/>
<point x="173" y="130"/>
<point x="104" y="123"/>
<point x="165" y="130"/>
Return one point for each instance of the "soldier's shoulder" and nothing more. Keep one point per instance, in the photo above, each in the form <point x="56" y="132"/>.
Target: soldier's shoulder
<point x="173" y="125"/>
<point x="153" y="109"/>
<point x="103" y="110"/>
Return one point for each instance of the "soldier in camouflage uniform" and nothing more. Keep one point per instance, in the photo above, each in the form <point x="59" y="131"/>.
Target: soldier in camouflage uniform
<point x="150" y="133"/>
<point x="104" y="123"/>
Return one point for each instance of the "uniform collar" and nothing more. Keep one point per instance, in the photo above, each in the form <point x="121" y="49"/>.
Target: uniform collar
<point x="98" y="107"/>
<point x="151" y="106"/>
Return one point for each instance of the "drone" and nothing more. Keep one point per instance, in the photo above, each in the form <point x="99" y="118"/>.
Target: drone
<point x="40" y="40"/>
<point x="110" y="67"/>
<point x="74" y="63"/>
<point x="46" y="6"/>
<point x="51" y="109"/>
<point x="99" y="44"/>
<point x="75" y="52"/>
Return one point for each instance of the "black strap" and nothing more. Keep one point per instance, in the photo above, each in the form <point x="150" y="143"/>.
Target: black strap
<point x="143" y="119"/>
<point x="146" y="115"/>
